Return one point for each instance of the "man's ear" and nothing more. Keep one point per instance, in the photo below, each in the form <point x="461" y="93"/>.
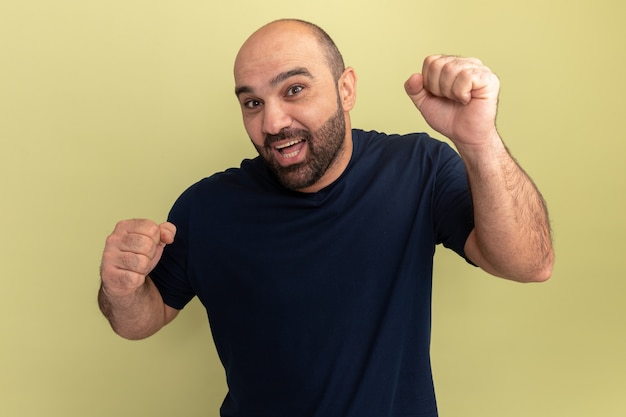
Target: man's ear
<point x="347" y="89"/>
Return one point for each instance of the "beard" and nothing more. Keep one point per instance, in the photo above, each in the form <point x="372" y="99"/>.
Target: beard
<point x="325" y="146"/>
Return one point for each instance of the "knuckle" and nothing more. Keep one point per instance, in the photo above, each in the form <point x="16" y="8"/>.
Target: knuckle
<point x="136" y="242"/>
<point x="429" y="59"/>
<point x="125" y="280"/>
<point x="106" y="270"/>
<point x="112" y="240"/>
<point x="135" y="225"/>
<point x="151" y="228"/>
<point x="134" y="262"/>
<point x="121" y="226"/>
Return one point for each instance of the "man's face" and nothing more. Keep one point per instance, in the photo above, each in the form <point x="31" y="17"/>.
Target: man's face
<point x="299" y="157"/>
<point x="291" y="107"/>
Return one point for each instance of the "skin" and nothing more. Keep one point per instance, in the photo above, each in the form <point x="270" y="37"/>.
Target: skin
<point x="458" y="97"/>
<point x="282" y="88"/>
<point x="127" y="296"/>
<point x="296" y="112"/>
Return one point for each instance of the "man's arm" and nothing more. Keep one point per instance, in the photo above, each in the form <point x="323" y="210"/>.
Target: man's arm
<point x="511" y="237"/>
<point x="458" y="97"/>
<point x="128" y="298"/>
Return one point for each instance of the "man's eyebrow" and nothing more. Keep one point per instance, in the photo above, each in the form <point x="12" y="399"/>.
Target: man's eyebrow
<point x="276" y="80"/>
<point x="242" y="90"/>
<point x="288" y="74"/>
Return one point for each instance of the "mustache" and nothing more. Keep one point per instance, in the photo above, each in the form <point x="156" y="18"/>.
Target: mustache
<point x="287" y="133"/>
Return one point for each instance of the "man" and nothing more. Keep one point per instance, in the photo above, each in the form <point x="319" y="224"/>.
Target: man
<point x="314" y="260"/>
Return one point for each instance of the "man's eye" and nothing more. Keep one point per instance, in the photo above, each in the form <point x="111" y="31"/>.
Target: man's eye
<point x="251" y="104"/>
<point x="294" y="90"/>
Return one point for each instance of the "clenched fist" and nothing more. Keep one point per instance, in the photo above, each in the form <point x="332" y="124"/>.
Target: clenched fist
<point x="458" y="97"/>
<point x="131" y="252"/>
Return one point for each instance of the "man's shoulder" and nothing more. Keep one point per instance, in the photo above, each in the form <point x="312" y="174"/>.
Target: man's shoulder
<point x="248" y="171"/>
<point x="384" y="145"/>
<point x="227" y="184"/>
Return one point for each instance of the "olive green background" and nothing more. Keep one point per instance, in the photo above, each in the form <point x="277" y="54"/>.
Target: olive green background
<point x="110" y="109"/>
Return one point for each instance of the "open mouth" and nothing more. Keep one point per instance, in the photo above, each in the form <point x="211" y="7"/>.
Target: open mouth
<point x="290" y="149"/>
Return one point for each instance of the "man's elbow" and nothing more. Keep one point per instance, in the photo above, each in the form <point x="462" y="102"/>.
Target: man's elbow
<point x="133" y="332"/>
<point x="540" y="272"/>
<point x="539" y="276"/>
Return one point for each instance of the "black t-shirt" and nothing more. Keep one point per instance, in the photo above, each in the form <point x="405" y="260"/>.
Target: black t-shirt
<point x="320" y="303"/>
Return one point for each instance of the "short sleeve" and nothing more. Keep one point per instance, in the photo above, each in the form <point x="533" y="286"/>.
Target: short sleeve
<point x="453" y="209"/>
<point x="170" y="274"/>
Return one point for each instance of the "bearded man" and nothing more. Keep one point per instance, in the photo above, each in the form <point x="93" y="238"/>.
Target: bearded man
<point x="314" y="260"/>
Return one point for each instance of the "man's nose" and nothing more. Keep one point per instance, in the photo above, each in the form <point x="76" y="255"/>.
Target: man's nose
<point x="275" y="118"/>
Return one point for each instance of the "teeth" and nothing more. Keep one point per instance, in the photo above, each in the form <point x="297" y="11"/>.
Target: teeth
<point x="286" y="145"/>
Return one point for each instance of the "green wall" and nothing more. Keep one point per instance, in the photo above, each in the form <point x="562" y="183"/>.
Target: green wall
<point x="109" y="109"/>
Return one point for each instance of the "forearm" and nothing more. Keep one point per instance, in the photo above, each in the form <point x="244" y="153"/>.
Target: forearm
<point x="136" y="315"/>
<point x="458" y="97"/>
<point x="512" y="232"/>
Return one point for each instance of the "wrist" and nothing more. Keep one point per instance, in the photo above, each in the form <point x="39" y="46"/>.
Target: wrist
<point x="120" y="297"/>
<point x="484" y="152"/>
